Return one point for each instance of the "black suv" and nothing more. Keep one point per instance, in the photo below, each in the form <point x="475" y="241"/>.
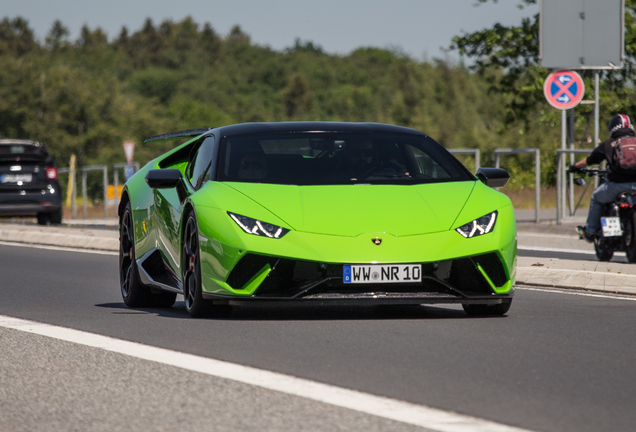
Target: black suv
<point x="28" y="181"/>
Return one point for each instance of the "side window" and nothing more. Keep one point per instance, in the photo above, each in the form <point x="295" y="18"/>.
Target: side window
<point x="200" y="171"/>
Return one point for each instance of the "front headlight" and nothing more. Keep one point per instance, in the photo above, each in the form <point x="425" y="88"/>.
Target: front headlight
<point x="482" y="225"/>
<point x="259" y="228"/>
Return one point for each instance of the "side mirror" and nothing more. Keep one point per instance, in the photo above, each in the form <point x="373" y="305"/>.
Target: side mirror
<point x="493" y="177"/>
<point x="579" y="182"/>
<point x="167" y="179"/>
<point x="163" y="178"/>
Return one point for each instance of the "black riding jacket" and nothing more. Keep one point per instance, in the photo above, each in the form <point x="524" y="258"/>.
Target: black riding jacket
<point x="605" y="151"/>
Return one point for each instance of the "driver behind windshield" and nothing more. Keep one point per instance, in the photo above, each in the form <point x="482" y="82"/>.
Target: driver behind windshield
<point x="359" y="160"/>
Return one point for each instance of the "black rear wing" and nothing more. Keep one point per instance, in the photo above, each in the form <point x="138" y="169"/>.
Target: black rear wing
<point x="175" y="135"/>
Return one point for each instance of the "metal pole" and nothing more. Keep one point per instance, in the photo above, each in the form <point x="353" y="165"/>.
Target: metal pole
<point x="74" y="194"/>
<point x="116" y="181"/>
<point x="477" y="160"/>
<point x="84" y="197"/>
<point x="105" y="192"/>
<point x="560" y="172"/>
<point x="570" y="178"/>
<point x="496" y="160"/>
<point x="596" y="114"/>
<point x="537" y="185"/>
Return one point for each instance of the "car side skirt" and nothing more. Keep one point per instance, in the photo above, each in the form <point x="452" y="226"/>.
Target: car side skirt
<point x="155" y="273"/>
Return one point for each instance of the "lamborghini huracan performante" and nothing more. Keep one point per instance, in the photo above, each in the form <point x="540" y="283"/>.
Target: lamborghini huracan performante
<point x="315" y="213"/>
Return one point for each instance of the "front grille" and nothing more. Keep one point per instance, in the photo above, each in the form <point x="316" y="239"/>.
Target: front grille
<point x="298" y="278"/>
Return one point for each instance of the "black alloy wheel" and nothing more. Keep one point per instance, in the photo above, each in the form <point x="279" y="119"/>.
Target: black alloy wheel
<point x="195" y="304"/>
<point x="133" y="291"/>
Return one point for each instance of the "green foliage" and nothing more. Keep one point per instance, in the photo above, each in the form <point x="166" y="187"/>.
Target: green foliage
<point x="154" y="82"/>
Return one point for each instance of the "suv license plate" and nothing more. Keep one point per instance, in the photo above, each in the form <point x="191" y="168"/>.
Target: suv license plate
<point x="390" y="273"/>
<point x="15" y="178"/>
<point x="611" y="226"/>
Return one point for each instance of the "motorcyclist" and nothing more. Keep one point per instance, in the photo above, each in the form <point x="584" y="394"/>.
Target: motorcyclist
<point x="617" y="181"/>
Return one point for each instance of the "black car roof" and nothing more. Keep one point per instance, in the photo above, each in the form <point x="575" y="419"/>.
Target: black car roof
<point x="293" y="127"/>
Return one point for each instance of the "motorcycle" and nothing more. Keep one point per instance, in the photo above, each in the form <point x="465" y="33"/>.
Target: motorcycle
<point x="618" y="222"/>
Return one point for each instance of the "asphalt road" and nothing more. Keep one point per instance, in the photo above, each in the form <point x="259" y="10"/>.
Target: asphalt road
<point x="557" y="362"/>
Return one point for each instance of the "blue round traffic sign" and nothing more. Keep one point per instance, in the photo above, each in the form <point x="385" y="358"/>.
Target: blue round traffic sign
<point x="564" y="89"/>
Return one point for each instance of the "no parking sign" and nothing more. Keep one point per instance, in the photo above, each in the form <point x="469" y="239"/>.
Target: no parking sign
<point x="564" y="89"/>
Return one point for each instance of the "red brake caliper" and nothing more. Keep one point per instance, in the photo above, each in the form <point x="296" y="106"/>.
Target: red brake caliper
<point x="192" y="263"/>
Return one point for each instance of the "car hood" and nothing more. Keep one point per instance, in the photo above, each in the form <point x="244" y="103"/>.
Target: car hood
<point x="352" y="210"/>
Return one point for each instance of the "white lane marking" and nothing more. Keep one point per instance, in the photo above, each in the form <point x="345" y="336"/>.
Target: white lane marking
<point x="391" y="409"/>
<point x="58" y="248"/>
<point x="550" y="249"/>
<point x="570" y="292"/>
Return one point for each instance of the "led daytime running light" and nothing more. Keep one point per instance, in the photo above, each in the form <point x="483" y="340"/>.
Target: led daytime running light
<point x="479" y="226"/>
<point x="257" y="227"/>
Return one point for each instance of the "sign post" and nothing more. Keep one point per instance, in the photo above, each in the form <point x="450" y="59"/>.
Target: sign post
<point x="129" y="150"/>
<point x="563" y="90"/>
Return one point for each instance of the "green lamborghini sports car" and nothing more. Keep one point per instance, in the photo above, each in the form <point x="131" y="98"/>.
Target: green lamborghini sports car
<point x="318" y="213"/>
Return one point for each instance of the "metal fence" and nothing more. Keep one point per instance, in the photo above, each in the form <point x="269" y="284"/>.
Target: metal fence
<point x="84" y="171"/>
<point x="537" y="173"/>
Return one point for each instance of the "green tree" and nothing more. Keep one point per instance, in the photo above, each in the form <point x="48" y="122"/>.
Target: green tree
<point x="16" y="38"/>
<point x="57" y="37"/>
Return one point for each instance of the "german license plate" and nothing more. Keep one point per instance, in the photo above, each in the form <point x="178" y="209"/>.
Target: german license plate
<point x="15" y="178"/>
<point x="611" y="226"/>
<point x="390" y="273"/>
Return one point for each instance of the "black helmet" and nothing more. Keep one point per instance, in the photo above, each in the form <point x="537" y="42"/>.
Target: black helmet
<point x="619" y="121"/>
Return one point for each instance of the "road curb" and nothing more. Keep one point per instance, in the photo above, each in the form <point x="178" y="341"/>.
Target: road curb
<point x="576" y="279"/>
<point x="93" y="239"/>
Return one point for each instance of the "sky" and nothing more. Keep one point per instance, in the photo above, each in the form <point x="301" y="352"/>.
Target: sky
<point x="418" y="28"/>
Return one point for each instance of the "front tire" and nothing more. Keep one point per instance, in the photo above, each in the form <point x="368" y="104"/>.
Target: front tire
<point x="195" y="304"/>
<point x="488" y="310"/>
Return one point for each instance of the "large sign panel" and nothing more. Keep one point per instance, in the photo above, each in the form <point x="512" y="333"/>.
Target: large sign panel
<point x="581" y="34"/>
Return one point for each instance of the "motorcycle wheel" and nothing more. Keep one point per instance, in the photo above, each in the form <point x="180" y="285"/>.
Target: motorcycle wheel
<point x="604" y="251"/>
<point x="629" y="237"/>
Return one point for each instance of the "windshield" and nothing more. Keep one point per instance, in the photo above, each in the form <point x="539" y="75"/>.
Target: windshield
<point x="337" y="158"/>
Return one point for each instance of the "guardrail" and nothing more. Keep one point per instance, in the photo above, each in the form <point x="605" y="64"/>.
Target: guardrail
<point x="85" y="171"/>
<point x="537" y="173"/>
